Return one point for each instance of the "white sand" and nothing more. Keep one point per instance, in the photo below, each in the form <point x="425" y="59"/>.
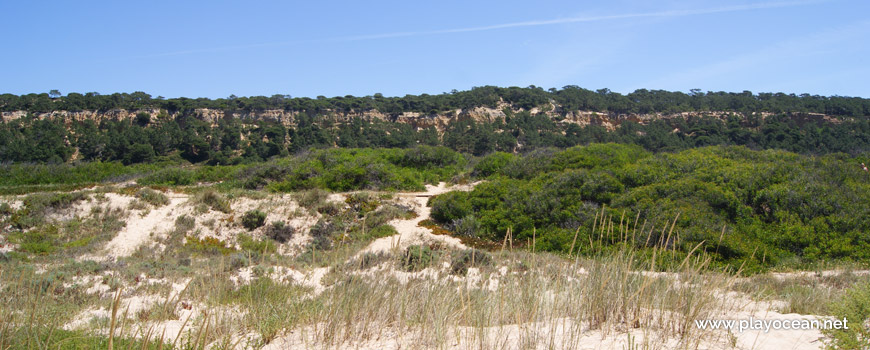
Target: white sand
<point x="139" y="229"/>
<point x="410" y="233"/>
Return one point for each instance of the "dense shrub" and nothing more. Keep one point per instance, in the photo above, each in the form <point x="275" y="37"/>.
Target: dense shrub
<point x="854" y="307"/>
<point x="468" y="226"/>
<point x="254" y="246"/>
<point x="493" y="164"/>
<point x="417" y="257"/>
<point x="152" y="197"/>
<point x="742" y="207"/>
<point x="311" y="199"/>
<point x="382" y="231"/>
<point x="450" y="206"/>
<point x="168" y="177"/>
<point x="463" y="259"/>
<point x="214" y="200"/>
<point x="280" y="231"/>
<point x="362" y="202"/>
<point x="253" y="219"/>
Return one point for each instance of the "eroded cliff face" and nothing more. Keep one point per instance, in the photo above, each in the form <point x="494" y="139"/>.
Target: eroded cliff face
<point x="609" y="121"/>
<point x="287" y="118"/>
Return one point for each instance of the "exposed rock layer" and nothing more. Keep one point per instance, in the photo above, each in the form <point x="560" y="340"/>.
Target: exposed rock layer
<point x="419" y="120"/>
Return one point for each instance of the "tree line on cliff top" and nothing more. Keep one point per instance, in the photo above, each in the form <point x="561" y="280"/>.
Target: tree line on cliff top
<point x="144" y="138"/>
<point x="229" y="142"/>
<point x="568" y="98"/>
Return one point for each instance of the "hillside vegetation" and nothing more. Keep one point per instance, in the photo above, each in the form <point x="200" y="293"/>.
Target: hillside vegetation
<point x="488" y="219"/>
<point x="596" y="246"/>
<point x="518" y="120"/>
<point x="756" y="209"/>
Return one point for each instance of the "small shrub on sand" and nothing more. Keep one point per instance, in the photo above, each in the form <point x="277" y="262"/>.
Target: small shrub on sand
<point x="464" y="259"/>
<point x="321" y="235"/>
<point x="152" y="197"/>
<point x="311" y="199"/>
<point x="39" y="241"/>
<point x="329" y="208"/>
<point x="368" y="260"/>
<point x="389" y="212"/>
<point x="238" y="261"/>
<point x="362" y="202"/>
<point x="382" y="231"/>
<point x="854" y="306"/>
<point x="417" y="257"/>
<point x="214" y="200"/>
<point x="6" y="209"/>
<point x="280" y="231"/>
<point x="253" y="219"/>
<point x="208" y="245"/>
<point x="255" y="246"/>
<point x="468" y="226"/>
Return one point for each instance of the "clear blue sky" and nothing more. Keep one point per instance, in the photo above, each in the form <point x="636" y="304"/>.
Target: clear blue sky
<point x="218" y="48"/>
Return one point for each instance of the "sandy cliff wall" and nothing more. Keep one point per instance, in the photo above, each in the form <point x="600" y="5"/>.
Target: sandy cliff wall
<point x="440" y="121"/>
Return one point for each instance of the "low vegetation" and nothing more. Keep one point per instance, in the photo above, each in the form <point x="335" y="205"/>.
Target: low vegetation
<point x="607" y="238"/>
<point x="745" y="208"/>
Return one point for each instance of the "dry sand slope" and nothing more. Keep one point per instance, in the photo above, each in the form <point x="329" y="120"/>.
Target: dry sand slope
<point x="409" y="231"/>
<point x="558" y="332"/>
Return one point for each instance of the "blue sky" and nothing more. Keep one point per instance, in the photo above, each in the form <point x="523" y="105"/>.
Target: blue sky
<point x="218" y="48"/>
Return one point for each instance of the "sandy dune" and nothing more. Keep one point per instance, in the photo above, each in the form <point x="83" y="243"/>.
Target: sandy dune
<point x="410" y="233"/>
<point x="139" y="229"/>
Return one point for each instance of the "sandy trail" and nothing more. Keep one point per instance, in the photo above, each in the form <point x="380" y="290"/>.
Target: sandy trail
<point x="409" y="231"/>
<point x="139" y="229"/>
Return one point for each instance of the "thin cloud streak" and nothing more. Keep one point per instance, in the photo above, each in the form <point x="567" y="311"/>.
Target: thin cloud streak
<point x="538" y="23"/>
<point x="680" y="13"/>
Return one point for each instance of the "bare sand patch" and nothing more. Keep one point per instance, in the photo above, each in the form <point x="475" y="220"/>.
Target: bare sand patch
<point x="410" y="233"/>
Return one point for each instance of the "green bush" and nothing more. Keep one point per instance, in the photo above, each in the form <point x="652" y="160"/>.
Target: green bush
<point x="431" y="157"/>
<point x="492" y="164"/>
<point x="450" y="206"/>
<point x="280" y="232"/>
<point x="41" y="241"/>
<point x="468" y="226"/>
<point x="311" y="199"/>
<point x="208" y="246"/>
<point x="854" y="306"/>
<point x="362" y="202"/>
<point x="466" y="258"/>
<point x="260" y="247"/>
<point x="253" y="219"/>
<point x="168" y="177"/>
<point x="382" y="231"/>
<point x="214" y="200"/>
<point x="152" y="197"/>
<point x="417" y="257"/>
<point x="6" y="209"/>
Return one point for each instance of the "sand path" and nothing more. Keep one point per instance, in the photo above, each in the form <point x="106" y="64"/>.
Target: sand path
<point x="410" y="233"/>
<point x="139" y="229"/>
